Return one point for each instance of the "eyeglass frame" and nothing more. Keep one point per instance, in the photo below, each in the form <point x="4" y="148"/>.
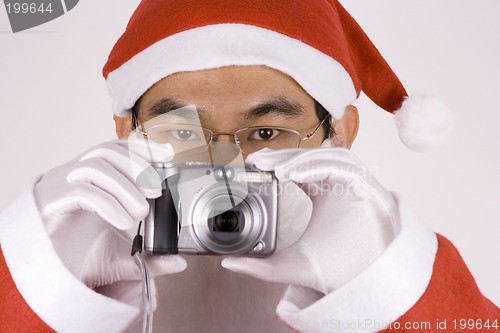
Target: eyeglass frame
<point x="235" y="134"/>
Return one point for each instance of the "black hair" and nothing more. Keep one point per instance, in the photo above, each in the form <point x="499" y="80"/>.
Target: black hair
<point x="321" y="113"/>
<point x="135" y="114"/>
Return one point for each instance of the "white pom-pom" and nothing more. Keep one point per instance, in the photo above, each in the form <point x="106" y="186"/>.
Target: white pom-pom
<point x="423" y="122"/>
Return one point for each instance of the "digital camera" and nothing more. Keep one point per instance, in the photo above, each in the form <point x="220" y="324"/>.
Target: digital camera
<point x="215" y="210"/>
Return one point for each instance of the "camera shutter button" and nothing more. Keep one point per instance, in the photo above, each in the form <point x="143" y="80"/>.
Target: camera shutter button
<point x="224" y="173"/>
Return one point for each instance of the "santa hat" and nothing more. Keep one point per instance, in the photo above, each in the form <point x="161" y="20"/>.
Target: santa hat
<point x="316" y="42"/>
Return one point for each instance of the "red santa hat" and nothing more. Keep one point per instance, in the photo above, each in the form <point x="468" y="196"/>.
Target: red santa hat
<point x="316" y="42"/>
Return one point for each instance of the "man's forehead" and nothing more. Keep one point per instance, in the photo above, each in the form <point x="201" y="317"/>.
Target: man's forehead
<point x="238" y="87"/>
<point x="229" y="77"/>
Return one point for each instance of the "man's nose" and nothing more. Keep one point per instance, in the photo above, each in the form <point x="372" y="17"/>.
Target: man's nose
<point x="224" y="151"/>
<point x="223" y="137"/>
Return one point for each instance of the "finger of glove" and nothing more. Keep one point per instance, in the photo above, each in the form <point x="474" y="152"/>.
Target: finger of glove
<point x="149" y="151"/>
<point x="321" y="182"/>
<point x="130" y="165"/>
<point x="105" y="177"/>
<point x="336" y="172"/>
<point x="157" y="266"/>
<point x="284" y="267"/>
<point x="303" y="159"/>
<point x="156" y="155"/>
<point x="267" y="159"/>
<point x="161" y="265"/>
<point x="319" y="164"/>
<point x="107" y="259"/>
<point x="84" y="196"/>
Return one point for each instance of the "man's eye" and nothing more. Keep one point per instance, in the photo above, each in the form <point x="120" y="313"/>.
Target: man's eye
<point x="264" y="134"/>
<point x="184" y="135"/>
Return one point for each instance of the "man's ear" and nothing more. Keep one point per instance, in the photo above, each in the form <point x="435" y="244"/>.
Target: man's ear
<point x="346" y="128"/>
<point x="123" y="126"/>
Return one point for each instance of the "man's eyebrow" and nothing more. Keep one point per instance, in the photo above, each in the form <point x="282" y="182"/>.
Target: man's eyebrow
<point x="163" y="106"/>
<point x="183" y="110"/>
<point x="275" y="107"/>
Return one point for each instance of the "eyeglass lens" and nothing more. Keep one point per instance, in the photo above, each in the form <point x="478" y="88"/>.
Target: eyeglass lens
<point x="184" y="137"/>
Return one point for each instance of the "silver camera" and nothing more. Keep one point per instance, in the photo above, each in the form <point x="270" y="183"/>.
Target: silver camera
<point x="216" y="210"/>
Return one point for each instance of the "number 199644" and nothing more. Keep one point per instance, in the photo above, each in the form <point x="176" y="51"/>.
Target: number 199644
<point x="28" y="8"/>
<point x="474" y="325"/>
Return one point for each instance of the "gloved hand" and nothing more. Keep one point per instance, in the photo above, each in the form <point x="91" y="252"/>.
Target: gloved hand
<point x="92" y="205"/>
<point x="353" y="220"/>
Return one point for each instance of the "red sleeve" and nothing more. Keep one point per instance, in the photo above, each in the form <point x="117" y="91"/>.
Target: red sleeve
<point x="452" y="301"/>
<point x="15" y="315"/>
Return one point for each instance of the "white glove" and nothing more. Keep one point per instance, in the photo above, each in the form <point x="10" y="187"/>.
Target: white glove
<point x="102" y="181"/>
<point x="354" y="219"/>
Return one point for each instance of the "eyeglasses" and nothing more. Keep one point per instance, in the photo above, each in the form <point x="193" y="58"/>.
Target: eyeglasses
<point x="184" y="137"/>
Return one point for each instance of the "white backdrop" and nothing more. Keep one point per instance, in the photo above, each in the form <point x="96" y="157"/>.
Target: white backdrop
<point x="54" y="104"/>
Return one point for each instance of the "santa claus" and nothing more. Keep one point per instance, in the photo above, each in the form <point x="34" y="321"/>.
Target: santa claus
<point x="274" y="81"/>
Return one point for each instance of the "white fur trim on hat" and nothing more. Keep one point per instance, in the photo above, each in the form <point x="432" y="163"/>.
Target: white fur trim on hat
<point x="423" y="122"/>
<point x="232" y="44"/>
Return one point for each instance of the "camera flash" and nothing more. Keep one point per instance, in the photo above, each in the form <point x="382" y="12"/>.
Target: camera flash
<point x="255" y="177"/>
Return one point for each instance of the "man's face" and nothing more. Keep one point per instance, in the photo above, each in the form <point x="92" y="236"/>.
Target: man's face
<point x="231" y="98"/>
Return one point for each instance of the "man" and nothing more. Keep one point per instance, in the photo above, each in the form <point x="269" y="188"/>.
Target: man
<point x="362" y="262"/>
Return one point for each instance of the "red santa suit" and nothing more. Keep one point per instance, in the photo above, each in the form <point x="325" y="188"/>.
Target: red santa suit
<point x="420" y="277"/>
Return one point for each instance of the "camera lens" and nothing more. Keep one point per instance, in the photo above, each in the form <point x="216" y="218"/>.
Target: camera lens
<point x="226" y="222"/>
<point x="225" y="226"/>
